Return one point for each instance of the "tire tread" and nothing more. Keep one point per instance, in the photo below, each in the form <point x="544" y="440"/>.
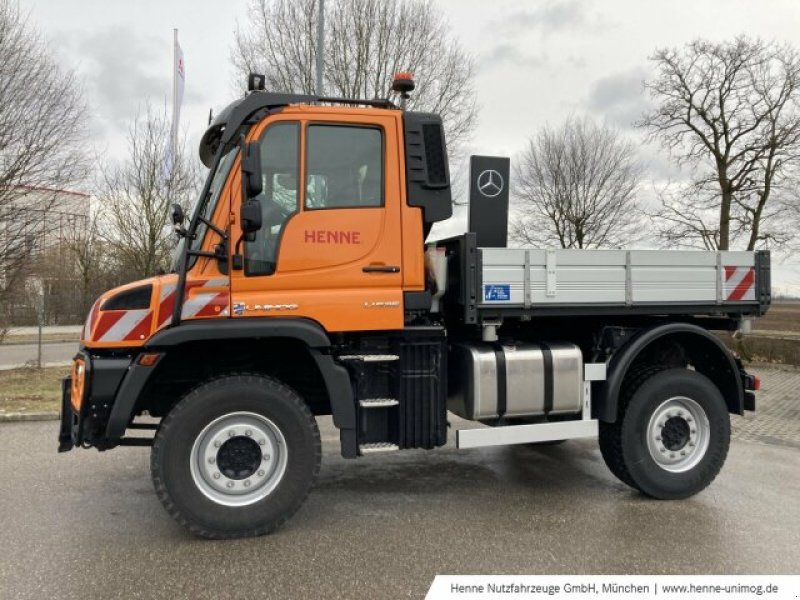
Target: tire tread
<point x="173" y="418"/>
<point x="610" y="435"/>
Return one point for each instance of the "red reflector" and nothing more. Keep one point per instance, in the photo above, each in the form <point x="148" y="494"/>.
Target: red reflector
<point x="756" y="383"/>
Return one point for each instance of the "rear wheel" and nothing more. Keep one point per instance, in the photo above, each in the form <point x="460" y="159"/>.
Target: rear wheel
<point x="236" y="457"/>
<point x="671" y="436"/>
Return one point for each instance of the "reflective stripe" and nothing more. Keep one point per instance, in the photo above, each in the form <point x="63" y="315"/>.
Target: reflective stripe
<point x="126" y="323"/>
<point x="740" y="284"/>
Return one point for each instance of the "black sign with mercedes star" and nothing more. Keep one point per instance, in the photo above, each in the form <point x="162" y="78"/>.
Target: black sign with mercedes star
<point x="488" y="200"/>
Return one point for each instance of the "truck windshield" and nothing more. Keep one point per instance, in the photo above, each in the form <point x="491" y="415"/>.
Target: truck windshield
<point x="207" y="208"/>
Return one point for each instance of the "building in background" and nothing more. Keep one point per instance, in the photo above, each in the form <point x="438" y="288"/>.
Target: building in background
<point x="40" y="218"/>
<point x="37" y="274"/>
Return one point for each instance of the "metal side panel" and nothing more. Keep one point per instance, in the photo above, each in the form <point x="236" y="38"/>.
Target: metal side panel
<point x="664" y="276"/>
<point x="738" y="276"/>
<point x="579" y="276"/>
<point x="503" y="276"/>
<point x="525" y="434"/>
<point x="552" y="277"/>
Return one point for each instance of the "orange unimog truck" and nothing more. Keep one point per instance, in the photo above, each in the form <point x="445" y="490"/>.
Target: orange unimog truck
<point x="303" y="286"/>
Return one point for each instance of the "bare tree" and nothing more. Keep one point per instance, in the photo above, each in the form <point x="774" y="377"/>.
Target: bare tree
<point x="135" y="196"/>
<point x="367" y="42"/>
<point x="92" y="265"/>
<point x="575" y="187"/>
<point x="729" y="110"/>
<point x="42" y="116"/>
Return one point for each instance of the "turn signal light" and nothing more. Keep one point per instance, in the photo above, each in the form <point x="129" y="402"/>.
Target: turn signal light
<point x="149" y="359"/>
<point x="78" y="384"/>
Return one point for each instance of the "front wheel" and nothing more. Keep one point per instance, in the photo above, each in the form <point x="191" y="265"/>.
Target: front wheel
<point x="236" y="457"/>
<point x="671" y="436"/>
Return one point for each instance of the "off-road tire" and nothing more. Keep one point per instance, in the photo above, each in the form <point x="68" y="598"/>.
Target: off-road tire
<point x="170" y="457"/>
<point x="624" y="443"/>
<point x="610" y="434"/>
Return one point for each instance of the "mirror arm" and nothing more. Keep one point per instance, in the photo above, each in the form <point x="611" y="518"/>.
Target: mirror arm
<point x="202" y="253"/>
<point x="221" y="233"/>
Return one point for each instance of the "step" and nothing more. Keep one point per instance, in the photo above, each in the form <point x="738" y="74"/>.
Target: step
<point x="378" y="402"/>
<point x="370" y="357"/>
<point x="376" y="447"/>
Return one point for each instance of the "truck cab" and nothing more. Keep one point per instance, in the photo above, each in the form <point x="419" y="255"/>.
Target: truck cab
<point x="303" y="287"/>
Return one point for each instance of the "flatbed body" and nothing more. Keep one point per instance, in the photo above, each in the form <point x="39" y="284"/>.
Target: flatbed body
<point x="492" y="283"/>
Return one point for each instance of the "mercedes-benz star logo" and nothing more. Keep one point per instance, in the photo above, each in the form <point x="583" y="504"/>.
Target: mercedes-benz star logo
<point x="490" y="183"/>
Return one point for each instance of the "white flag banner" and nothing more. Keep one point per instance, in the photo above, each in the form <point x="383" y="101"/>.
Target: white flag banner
<point x="178" y="84"/>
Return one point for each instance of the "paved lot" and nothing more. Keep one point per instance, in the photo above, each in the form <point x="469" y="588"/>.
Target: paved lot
<point x="87" y="525"/>
<point x="53" y="354"/>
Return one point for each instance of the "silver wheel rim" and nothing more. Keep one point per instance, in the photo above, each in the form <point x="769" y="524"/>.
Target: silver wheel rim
<point x="678" y="434"/>
<point x="238" y="459"/>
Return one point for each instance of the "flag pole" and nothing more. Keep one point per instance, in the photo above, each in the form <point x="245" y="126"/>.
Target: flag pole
<point x="174" y="132"/>
<point x="320" y="46"/>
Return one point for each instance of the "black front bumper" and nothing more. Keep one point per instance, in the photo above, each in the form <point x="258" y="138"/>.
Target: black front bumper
<point x="87" y="426"/>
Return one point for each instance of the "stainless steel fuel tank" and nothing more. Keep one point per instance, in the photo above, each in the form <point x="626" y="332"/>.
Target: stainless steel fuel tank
<point x="487" y="381"/>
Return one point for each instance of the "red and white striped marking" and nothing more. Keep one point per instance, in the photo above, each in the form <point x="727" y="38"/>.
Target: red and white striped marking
<point x="740" y="284"/>
<point x="135" y="325"/>
<point x="202" y="304"/>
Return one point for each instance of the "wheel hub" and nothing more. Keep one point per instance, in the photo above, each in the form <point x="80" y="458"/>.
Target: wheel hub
<point x="238" y="459"/>
<point x="675" y="433"/>
<point x="678" y="434"/>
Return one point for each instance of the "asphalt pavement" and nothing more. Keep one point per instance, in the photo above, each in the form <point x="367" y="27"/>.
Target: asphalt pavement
<point x="88" y="525"/>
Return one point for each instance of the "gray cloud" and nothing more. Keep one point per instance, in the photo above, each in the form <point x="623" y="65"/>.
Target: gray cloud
<point x="122" y="71"/>
<point x="553" y="16"/>
<point x="619" y="98"/>
<point x="509" y="54"/>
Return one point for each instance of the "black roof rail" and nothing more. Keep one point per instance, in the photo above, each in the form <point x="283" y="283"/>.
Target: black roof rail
<point x="226" y="125"/>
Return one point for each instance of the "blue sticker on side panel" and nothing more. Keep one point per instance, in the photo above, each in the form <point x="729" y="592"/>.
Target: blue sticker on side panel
<point x="497" y="292"/>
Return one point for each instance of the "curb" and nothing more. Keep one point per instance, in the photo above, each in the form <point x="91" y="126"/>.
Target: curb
<point x="35" y="416"/>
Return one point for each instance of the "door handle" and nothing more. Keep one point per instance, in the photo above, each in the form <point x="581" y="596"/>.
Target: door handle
<point x="381" y="269"/>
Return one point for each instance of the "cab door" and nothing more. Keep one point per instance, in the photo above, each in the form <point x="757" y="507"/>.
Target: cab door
<point x="330" y="244"/>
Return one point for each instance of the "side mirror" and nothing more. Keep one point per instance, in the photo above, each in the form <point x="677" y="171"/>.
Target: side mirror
<point x="177" y="216"/>
<point x="176" y="213"/>
<point x="250" y="216"/>
<point x="251" y="170"/>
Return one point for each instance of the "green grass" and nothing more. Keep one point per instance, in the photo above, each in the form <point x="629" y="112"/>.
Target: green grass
<point x="48" y="338"/>
<point x="31" y="390"/>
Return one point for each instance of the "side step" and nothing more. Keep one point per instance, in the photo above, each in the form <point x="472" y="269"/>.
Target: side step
<point x="370" y="357"/>
<point x="378" y="402"/>
<point x="377" y="447"/>
<point x="525" y="434"/>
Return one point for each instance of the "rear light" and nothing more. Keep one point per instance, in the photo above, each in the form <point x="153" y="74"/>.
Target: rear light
<point x="78" y="383"/>
<point x="752" y="382"/>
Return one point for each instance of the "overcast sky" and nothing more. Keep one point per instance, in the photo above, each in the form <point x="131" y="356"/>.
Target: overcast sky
<point x="538" y="60"/>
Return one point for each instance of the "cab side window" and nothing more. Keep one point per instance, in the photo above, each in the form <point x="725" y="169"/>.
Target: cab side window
<point x="280" y="168"/>
<point x="344" y="167"/>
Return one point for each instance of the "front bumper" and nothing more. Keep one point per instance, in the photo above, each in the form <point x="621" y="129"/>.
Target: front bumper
<point x="84" y="420"/>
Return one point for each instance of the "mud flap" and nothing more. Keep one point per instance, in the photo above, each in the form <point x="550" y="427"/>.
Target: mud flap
<point x="69" y="420"/>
